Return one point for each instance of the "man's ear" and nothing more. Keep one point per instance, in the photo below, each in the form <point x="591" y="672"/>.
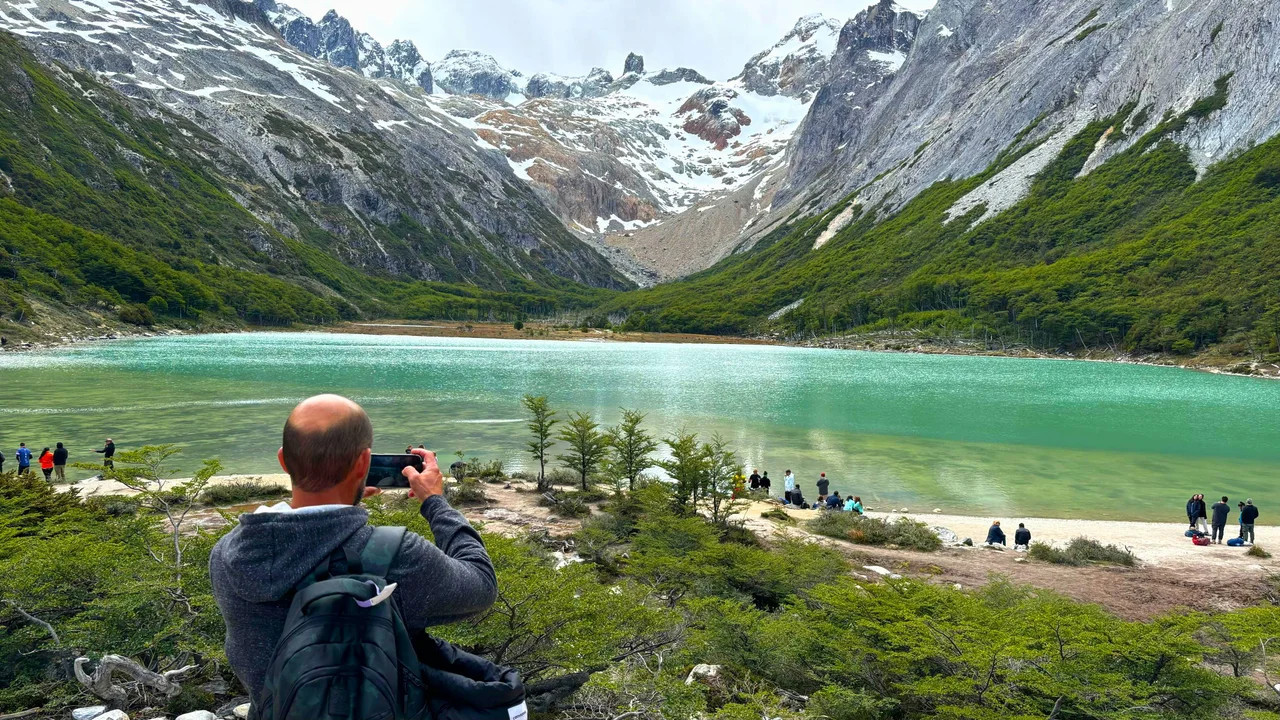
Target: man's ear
<point x="360" y="469"/>
<point x="280" y="458"/>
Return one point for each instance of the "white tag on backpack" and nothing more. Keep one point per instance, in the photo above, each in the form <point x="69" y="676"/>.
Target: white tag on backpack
<point x="518" y="712"/>
<point x="381" y="596"/>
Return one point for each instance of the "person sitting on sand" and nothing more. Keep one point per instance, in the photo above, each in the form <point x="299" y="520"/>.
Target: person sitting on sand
<point x="834" y="502"/>
<point x="797" y="499"/>
<point x="854" y="505"/>
<point x="1220" y="511"/>
<point x="995" y="536"/>
<point x="1021" y="537"/>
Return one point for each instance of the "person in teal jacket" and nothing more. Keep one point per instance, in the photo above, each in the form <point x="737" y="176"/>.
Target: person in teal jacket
<point x="853" y="504"/>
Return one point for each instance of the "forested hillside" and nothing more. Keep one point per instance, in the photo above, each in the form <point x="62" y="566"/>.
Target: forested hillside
<point x="106" y="210"/>
<point x="1136" y="255"/>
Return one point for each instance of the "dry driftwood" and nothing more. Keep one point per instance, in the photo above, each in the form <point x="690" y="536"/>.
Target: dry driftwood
<point x="99" y="683"/>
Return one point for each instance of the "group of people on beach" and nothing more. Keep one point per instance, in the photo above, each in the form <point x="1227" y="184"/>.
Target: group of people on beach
<point x="1199" y="512"/>
<point x="793" y="496"/>
<point x="53" y="461"/>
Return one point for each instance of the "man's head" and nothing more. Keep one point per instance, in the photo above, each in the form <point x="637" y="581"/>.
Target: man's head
<point x="996" y="523"/>
<point x="22" y="444"/>
<point x="59" y="446"/>
<point x="1224" y="498"/>
<point x="326" y="445"/>
<point x="108" y="441"/>
<point x="1020" y="525"/>
<point x="822" y="474"/>
<point x="1248" y="501"/>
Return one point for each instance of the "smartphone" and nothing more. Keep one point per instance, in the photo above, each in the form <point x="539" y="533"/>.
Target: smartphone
<point x="385" y="470"/>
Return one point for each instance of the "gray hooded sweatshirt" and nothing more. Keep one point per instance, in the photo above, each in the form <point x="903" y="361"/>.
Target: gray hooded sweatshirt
<point x="255" y="566"/>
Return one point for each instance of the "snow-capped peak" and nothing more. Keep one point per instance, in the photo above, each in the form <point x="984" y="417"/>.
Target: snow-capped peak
<point x="795" y="65"/>
<point x="471" y="72"/>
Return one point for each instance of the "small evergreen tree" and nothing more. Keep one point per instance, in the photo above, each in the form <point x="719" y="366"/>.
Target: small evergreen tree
<point x="541" y="421"/>
<point x="632" y="447"/>
<point x="587" y="446"/>
<point x="687" y="466"/>
<point x="722" y="467"/>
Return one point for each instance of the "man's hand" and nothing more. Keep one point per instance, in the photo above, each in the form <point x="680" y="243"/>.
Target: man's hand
<point x="423" y="485"/>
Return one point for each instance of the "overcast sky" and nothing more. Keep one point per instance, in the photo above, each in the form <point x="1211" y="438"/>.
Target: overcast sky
<point x="570" y="36"/>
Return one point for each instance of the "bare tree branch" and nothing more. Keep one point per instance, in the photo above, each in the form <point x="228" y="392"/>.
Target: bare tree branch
<point x="99" y="683"/>
<point x="57" y="642"/>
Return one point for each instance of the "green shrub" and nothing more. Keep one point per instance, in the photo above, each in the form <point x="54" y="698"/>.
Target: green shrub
<point x="592" y="495"/>
<point x="240" y="492"/>
<point x="467" y="491"/>
<point x="1258" y="552"/>
<point x="778" y="515"/>
<point x="903" y="532"/>
<point x="136" y="314"/>
<point x="837" y="703"/>
<point x="1082" y="551"/>
<point x="560" y="476"/>
<point x="572" y="507"/>
<point x="490" y="470"/>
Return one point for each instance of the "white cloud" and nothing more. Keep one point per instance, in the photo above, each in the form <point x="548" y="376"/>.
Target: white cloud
<point x="570" y="36"/>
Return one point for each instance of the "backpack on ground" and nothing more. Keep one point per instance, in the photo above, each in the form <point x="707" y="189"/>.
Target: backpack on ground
<point x="1235" y="542"/>
<point x="345" y="651"/>
<point x="1201" y="539"/>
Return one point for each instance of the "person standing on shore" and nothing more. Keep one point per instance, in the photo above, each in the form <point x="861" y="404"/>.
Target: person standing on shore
<point x="823" y="485"/>
<point x="754" y="479"/>
<point x="1220" y="511"/>
<point x="1195" y="511"/>
<point x="788" y="487"/>
<point x="108" y="451"/>
<point x="1202" y="516"/>
<point x="23" y="456"/>
<point x="46" y="464"/>
<point x="1248" y="517"/>
<point x="60" y="463"/>
<point x="765" y="482"/>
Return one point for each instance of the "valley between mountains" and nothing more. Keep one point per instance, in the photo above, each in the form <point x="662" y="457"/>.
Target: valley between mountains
<point x="1069" y="176"/>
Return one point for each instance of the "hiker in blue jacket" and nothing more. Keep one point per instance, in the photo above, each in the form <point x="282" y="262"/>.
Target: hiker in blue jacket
<point x="23" y="457"/>
<point x="995" y="536"/>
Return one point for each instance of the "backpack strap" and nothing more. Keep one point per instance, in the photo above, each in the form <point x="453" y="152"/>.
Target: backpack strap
<point x="380" y="552"/>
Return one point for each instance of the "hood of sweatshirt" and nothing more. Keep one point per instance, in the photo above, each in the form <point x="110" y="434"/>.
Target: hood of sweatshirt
<point x="268" y="553"/>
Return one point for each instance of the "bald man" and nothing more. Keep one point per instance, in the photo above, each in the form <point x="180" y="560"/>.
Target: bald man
<point x="255" y="567"/>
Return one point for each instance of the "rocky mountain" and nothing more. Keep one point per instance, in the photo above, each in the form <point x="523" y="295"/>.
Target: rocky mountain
<point x="797" y="64"/>
<point x="1094" y="178"/>
<point x="970" y="81"/>
<point x="617" y="155"/>
<point x="333" y="40"/>
<point x="367" y="171"/>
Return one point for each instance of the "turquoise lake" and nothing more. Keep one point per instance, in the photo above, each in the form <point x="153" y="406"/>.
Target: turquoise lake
<point x="991" y="436"/>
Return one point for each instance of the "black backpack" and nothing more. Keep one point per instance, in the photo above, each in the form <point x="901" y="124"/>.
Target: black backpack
<point x="343" y="654"/>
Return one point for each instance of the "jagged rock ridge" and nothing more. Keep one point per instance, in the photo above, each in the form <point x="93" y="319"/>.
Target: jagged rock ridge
<point x="370" y="171"/>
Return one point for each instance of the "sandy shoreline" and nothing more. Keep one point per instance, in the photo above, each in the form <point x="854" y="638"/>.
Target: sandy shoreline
<point x="1155" y="543"/>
